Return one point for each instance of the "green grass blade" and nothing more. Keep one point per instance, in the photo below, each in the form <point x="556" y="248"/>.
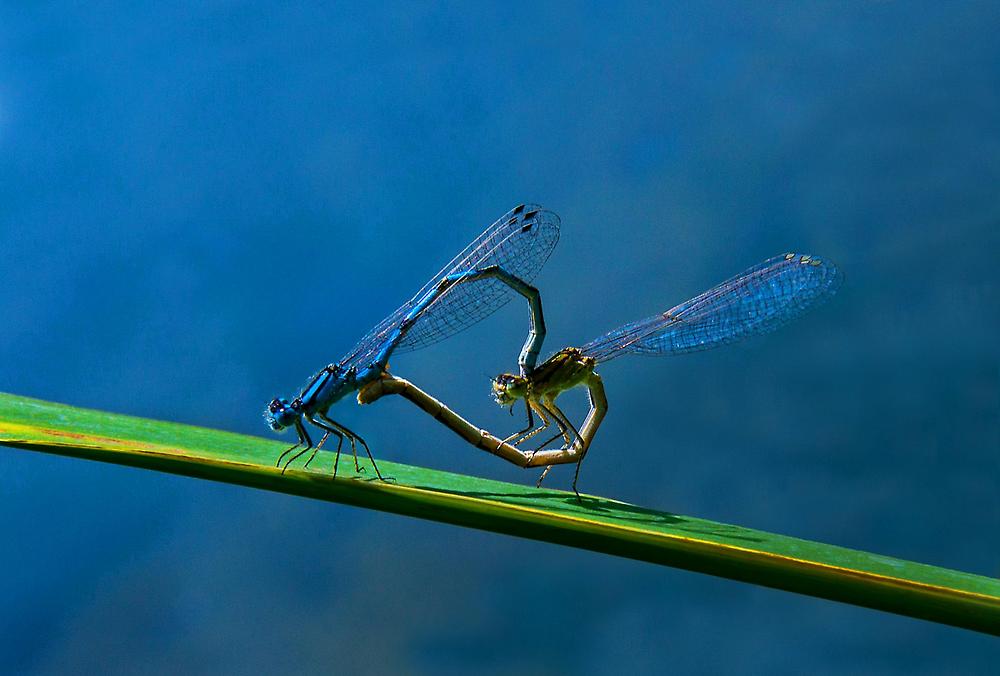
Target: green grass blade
<point x="598" y="524"/>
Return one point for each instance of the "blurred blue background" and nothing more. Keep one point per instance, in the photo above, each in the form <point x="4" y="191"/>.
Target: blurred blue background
<point x="202" y="203"/>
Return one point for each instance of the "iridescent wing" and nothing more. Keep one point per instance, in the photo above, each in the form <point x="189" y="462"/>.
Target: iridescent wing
<point x="756" y="301"/>
<point x="519" y="242"/>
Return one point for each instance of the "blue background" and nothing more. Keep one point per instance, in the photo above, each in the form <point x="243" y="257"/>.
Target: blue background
<point x="202" y="203"/>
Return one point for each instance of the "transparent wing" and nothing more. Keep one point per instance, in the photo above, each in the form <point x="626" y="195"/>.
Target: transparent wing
<point x="756" y="301"/>
<point x="520" y="242"/>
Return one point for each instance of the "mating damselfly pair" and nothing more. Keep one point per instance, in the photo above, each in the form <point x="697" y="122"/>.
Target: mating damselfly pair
<point x="487" y="274"/>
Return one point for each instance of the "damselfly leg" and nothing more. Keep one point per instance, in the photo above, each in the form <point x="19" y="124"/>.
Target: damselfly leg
<point x="561" y="421"/>
<point x="340" y="442"/>
<point x="550" y="405"/>
<point x="303" y="439"/>
<point x="354" y="439"/>
<point x="530" y="430"/>
<point x="315" y="449"/>
<point x="565" y="427"/>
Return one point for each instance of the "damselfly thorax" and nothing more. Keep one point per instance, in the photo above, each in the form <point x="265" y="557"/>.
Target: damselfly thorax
<point x="485" y="275"/>
<point x="564" y="370"/>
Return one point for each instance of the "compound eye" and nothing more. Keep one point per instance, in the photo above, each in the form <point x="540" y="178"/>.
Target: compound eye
<point x="274" y="406"/>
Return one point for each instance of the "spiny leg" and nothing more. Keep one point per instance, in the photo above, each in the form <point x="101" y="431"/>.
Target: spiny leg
<point x="340" y="442"/>
<point x="286" y="452"/>
<point x="530" y="431"/>
<point x="328" y="423"/>
<point x="566" y="421"/>
<point x="548" y="441"/>
<point x="546" y="423"/>
<point x="315" y="450"/>
<point x="538" y="484"/>
<point x="299" y="431"/>
<point x="576" y="475"/>
<point x="565" y="426"/>
<point x="583" y="447"/>
<point x="354" y="452"/>
<point x="352" y="437"/>
<point x="529" y="428"/>
<point x="303" y="436"/>
<point x="563" y="430"/>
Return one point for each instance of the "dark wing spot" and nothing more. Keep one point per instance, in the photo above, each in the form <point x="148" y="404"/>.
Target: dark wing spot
<point x="529" y="220"/>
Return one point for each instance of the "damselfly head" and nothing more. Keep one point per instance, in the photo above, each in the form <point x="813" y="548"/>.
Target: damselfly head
<point x="280" y="414"/>
<point x="508" y="388"/>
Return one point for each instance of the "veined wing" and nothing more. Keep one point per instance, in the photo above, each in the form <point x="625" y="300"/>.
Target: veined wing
<point x="756" y="301"/>
<point x="519" y="242"/>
